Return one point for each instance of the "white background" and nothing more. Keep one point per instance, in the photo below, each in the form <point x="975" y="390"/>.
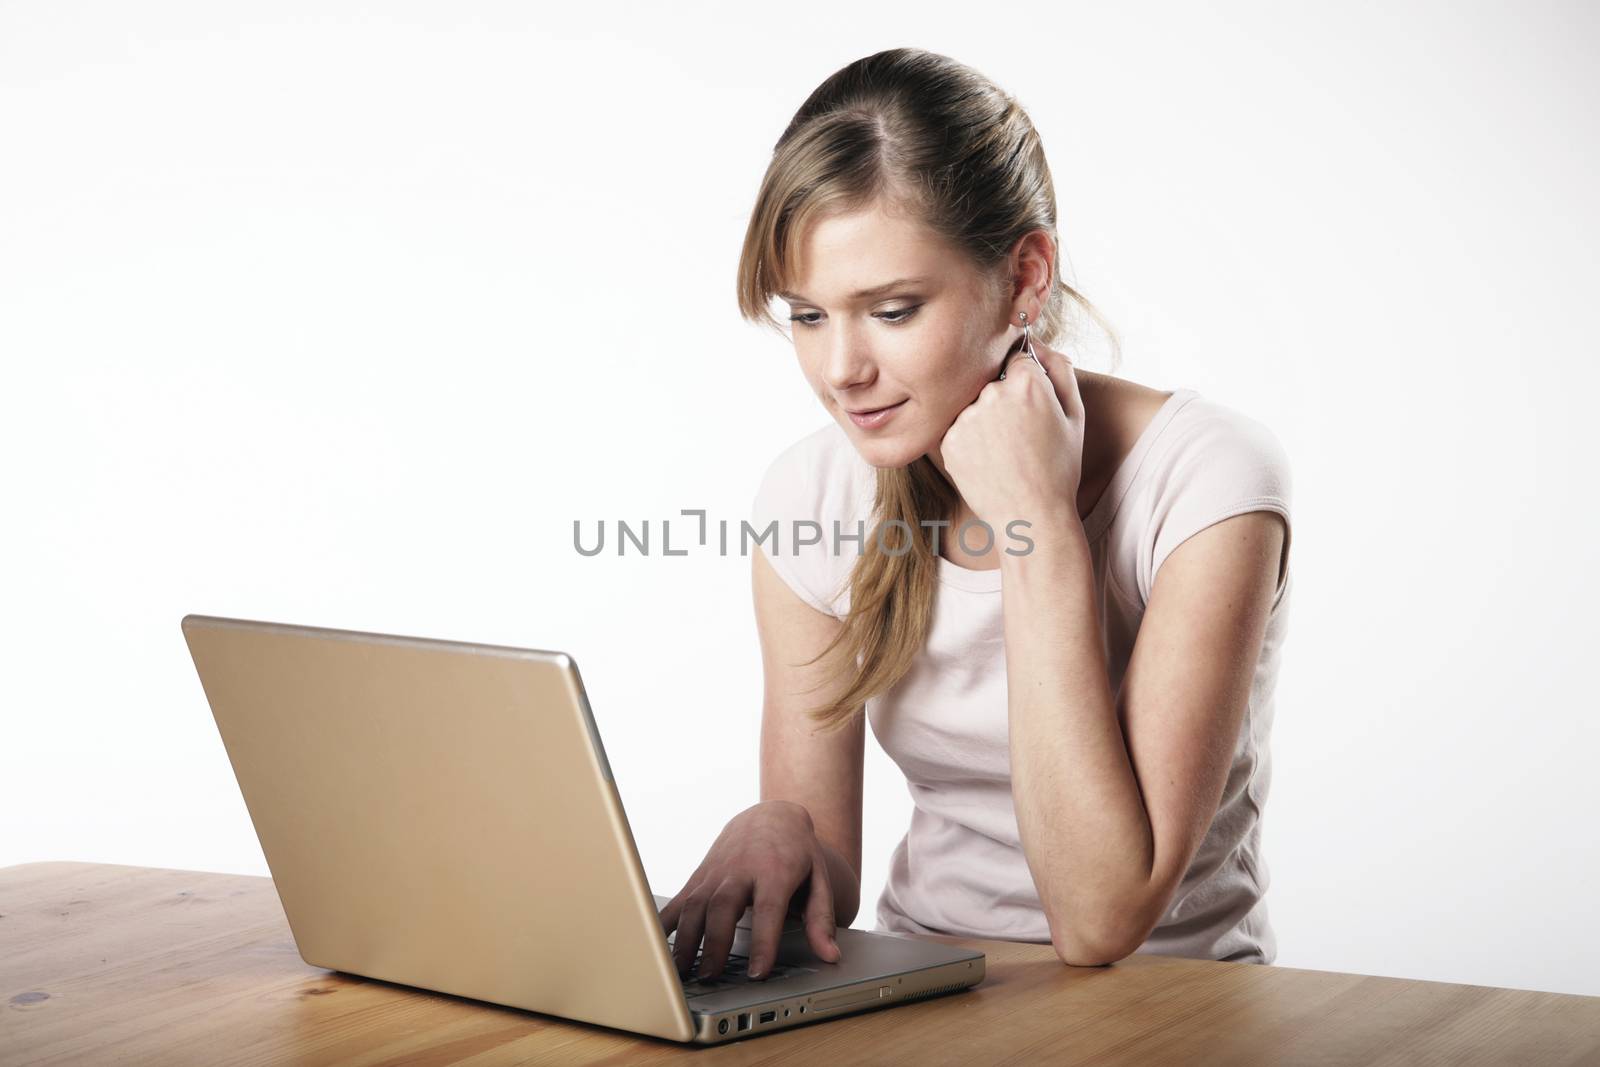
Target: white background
<point x="341" y="314"/>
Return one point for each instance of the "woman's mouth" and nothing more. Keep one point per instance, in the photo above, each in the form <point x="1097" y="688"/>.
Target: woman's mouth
<point x="872" y="419"/>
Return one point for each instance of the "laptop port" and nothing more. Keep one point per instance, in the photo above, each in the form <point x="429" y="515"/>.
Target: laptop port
<point x="768" y="1016"/>
<point x="722" y="1026"/>
<point x="744" y="1020"/>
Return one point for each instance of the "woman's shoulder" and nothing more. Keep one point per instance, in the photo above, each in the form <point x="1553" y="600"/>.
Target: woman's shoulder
<point x="1210" y="462"/>
<point x="817" y="491"/>
<point x="1197" y="421"/>
<point x="1212" y="436"/>
<point x="817" y="476"/>
<point x="819" y="446"/>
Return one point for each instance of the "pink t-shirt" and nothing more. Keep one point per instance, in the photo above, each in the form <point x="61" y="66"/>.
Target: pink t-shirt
<point x="960" y="868"/>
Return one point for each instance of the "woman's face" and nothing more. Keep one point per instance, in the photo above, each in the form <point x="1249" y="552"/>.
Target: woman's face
<point x="888" y="315"/>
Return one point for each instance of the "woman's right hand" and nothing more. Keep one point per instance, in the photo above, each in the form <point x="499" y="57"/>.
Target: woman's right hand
<point x="762" y="857"/>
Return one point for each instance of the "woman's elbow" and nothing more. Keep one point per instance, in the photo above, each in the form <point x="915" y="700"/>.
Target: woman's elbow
<point x="1078" y="951"/>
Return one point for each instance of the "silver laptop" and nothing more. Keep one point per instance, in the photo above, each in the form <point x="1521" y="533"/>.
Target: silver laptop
<point x="441" y="814"/>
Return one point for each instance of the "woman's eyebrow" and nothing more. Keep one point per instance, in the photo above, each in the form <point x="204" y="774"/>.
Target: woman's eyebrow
<point x="862" y="294"/>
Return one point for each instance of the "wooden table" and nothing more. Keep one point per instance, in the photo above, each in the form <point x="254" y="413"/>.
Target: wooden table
<point x="104" y="963"/>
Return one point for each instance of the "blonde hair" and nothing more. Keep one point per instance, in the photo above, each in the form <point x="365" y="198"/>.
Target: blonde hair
<point x="916" y="129"/>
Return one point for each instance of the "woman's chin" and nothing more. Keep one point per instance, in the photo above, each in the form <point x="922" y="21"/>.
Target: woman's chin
<point x="886" y="452"/>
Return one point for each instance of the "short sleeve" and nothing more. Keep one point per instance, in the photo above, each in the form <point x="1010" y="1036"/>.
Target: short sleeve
<point x="1222" y="464"/>
<point x="806" y="495"/>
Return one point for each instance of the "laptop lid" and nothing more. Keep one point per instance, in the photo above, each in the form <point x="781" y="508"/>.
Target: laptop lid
<point x="441" y="814"/>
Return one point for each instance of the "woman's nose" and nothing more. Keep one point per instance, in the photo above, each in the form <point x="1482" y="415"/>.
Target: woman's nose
<point x="847" y="363"/>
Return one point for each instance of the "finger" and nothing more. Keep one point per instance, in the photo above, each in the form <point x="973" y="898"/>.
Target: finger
<point x="1064" y="378"/>
<point x="669" y="913"/>
<point x="1005" y="362"/>
<point x="690" y="922"/>
<point x="1052" y="359"/>
<point x="766" y="925"/>
<point x="819" y="919"/>
<point x="722" y="917"/>
<point x="1036" y="353"/>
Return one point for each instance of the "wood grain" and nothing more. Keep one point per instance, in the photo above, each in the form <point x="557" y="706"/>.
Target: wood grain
<point x="102" y="963"/>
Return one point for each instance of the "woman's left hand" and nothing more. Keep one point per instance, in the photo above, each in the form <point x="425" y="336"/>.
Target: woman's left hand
<point x="1016" y="452"/>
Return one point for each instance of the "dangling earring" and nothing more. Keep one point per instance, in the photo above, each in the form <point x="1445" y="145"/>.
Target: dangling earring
<point x="1027" y="346"/>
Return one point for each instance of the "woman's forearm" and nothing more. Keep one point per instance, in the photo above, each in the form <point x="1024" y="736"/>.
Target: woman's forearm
<point x="1080" y="813"/>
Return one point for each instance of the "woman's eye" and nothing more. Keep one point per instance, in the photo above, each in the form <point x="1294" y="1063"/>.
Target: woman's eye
<point x="893" y="316"/>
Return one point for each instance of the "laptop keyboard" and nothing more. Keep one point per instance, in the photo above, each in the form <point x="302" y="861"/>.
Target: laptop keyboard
<point x="734" y="973"/>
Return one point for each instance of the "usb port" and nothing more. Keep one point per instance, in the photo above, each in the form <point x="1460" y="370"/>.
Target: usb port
<point x="768" y="1016"/>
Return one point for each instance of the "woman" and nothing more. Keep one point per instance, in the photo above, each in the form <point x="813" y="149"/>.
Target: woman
<point x="1080" y="699"/>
